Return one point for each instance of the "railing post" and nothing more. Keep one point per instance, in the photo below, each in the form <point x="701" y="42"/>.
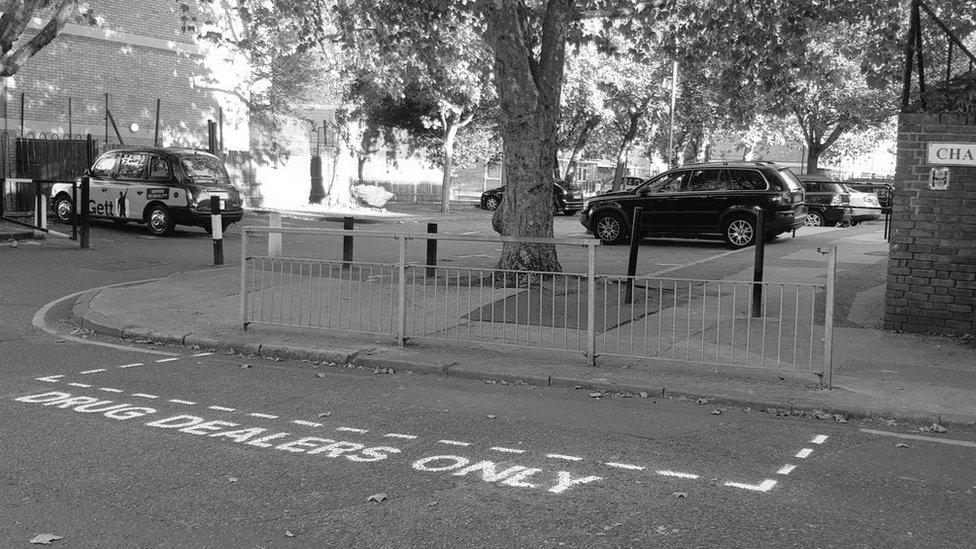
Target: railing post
<point x="402" y="291"/>
<point x="591" y="304"/>
<point x="759" y="260"/>
<point x="244" y="278"/>
<point x="829" y="318"/>
<point x="349" y="224"/>
<point x="274" y="239"/>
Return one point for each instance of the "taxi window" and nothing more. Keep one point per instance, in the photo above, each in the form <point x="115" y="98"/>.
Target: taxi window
<point x="132" y="166"/>
<point x="158" y="168"/>
<point x="105" y="166"/>
<point x="205" y="166"/>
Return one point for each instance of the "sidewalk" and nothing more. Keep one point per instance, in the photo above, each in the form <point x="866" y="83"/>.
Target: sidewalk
<point x="877" y="373"/>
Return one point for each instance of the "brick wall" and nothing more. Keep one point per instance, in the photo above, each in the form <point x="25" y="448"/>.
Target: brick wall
<point x="932" y="262"/>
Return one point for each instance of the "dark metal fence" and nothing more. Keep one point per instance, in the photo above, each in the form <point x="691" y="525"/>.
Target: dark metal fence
<point x="939" y="69"/>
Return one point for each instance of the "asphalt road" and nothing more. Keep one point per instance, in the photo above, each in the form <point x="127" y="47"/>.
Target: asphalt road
<point x="163" y="448"/>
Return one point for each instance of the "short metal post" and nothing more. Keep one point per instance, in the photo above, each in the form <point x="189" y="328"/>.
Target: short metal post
<point x="349" y="224"/>
<point x="757" y="268"/>
<point x="632" y="260"/>
<point x="401" y="290"/>
<point x="81" y="210"/>
<point x="829" y="317"/>
<point x="217" y="230"/>
<point x="244" y="278"/>
<point x="274" y="239"/>
<point x="74" y="207"/>
<point x="431" y="250"/>
<point x="591" y="304"/>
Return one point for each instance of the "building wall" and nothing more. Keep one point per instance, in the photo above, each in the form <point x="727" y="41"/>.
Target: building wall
<point x="931" y="283"/>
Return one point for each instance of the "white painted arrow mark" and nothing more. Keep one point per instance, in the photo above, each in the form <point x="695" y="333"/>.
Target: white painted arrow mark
<point x="50" y="379"/>
<point x="763" y="486"/>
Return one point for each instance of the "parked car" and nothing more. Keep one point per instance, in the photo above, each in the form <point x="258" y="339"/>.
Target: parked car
<point x="828" y="202"/>
<point x="882" y="190"/>
<point x="865" y="206"/>
<point x="712" y="200"/>
<point x="160" y="187"/>
<point x="565" y="199"/>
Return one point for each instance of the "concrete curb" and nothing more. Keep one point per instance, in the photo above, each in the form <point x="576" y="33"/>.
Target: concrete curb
<point x="401" y="360"/>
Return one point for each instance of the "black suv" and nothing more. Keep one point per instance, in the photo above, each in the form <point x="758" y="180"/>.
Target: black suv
<point x="565" y="198"/>
<point x="713" y="199"/>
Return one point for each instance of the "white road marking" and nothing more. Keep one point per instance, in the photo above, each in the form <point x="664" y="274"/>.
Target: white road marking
<point x="307" y="423"/>
<point x="110" y="390"/>
<point x="625" y="466"/>
<point x="400" y="435"/>
<point x="133" y="365"/>
<point x="178" y="401"/>
<point x="144" y="395"/>
<point x="221" y="408"/>
<point x="454" y="442"/>
<point x="676" y="474"/>
<point x="804" y="453"/>
<point x="786" y="469"/>
<point x="50" y="379"/>
<point x="567" y="458"/>
<point x="693" y="263"/>
<point x="202" y="354"/>
<point x="507" y="450"/>
<point x="763" y="486"/>
<point x="93" y="371"/>
<point x="917" y="437"/>
<point x="168" y="359"/>
<point x="819" y="439"/>
<point x="352" y="429"/>
<point x="259" y="414"/>
<point x="85" y="385"/>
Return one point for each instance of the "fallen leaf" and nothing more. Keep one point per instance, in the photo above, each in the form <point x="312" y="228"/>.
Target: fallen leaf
<point x="644" y="394"/>
<point x="325" y="414"/>
<point x="245" y="365"/>
<point x="679" y="495"/>
<point x="45" y="539"/>
<point x="432" y="504"/>
<point x="578" y="387"/>
<point x="716" y="412"/>
<point x="378" y="498"/>
<point x="902" y="445"/>
<point x="288" y="534"/>
<point x="319" y="375"/>
<point x="839" y="418"/>
<point x="596" y="395"/>
<point x="703" y="401"/>
<point x="489" y="416"/>
<point x="232" y="479"/>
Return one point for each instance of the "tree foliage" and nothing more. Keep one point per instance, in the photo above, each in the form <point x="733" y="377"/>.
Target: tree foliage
<point x="16" y="45"/>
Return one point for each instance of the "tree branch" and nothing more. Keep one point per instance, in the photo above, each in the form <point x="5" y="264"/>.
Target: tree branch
<point x="12" y="62"/>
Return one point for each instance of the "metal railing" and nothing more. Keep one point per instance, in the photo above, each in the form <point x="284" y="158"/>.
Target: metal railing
<point x="689" y="320"/>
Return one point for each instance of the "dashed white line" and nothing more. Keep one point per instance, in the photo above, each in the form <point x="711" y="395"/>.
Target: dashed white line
<point x="179" y="401"/>
<point x="804" y="453"/>
<point x="50" y="379"/>
<point x="171" y="359"/>
<point x="352" y="429"/>
<point x="763" y="486"/>
<point x="110" y="390"/>
<point x="454" y="442"/>
<point x="625" y="466"/>
<point x="95" y="371"/>
<point x="819" y="439"/>
<point x="85" y="385"/>
<point x="133" y="365"/>
<point x="507" y="450"/>
<point x="259" y="414"/>
<point x="221" y="408"/>
<point x="786" y="469"/>
<point x="400" y="435"/>
<point x="307" y="423"/>
<point x="202" y="354"/>
<point x="563" y="456"/>
<point x="144" y="395"/>
<point x="676" y="474"/>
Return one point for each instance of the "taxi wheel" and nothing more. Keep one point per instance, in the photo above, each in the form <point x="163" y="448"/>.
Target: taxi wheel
<point x="158" y="220"/>
<point x="63" y="210"/>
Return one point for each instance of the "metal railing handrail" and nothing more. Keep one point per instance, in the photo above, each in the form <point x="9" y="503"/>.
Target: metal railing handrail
<point x="422" y="236"/>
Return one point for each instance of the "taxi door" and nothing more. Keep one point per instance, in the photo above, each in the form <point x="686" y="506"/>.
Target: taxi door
<point x="129" y="179"/>
<point x="98" y="190"/>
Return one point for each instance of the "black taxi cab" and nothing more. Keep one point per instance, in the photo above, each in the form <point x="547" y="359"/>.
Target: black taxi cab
<point x="161" y="187"/>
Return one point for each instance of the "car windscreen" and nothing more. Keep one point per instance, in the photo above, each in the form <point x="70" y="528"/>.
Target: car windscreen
<point x="833" y="188"/>
<point x="791" y="181"/>
<point x="203" y="166"/>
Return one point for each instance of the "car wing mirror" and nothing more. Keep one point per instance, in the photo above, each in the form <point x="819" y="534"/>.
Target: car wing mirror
<point x="88" y="172"/>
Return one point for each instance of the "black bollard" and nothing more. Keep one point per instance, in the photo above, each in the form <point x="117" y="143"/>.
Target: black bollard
<point x="431" y="250"/>
<point x="81" y="210"/>
<point x="632" y="260"/>
<point x="349" y="224"/>
<point x="216" y="230"/>
<point x="757" y="268"/>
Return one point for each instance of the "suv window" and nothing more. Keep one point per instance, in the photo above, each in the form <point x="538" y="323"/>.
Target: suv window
<point x="792" y="183"/>
<point x="158" y="168"/>
<point x="132" y="165"/>
<point x="665" y="183"/>
<point x="105" y="166"/>
<point x="708" y="180"/>
<point x="747" y="180"/>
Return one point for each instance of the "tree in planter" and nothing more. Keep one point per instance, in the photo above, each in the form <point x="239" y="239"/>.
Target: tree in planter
<point x="15" y="48"/>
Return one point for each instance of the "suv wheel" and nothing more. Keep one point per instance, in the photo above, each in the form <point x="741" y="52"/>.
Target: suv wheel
<point x="491" y="203"/>
<point x="609" y="228"/>
<point x="740" y="231"/>
<point x="814" y="219"/>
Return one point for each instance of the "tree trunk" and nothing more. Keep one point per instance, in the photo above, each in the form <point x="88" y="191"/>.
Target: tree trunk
<point x="624" y="154"/>
<point x="450" y="134"/>
<point x="15" y="21"/>
<point x="813" y="158"/>
<point x="360" y="165"/>
<point x="578" y="147"/>
<point x="528" y="95"/>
